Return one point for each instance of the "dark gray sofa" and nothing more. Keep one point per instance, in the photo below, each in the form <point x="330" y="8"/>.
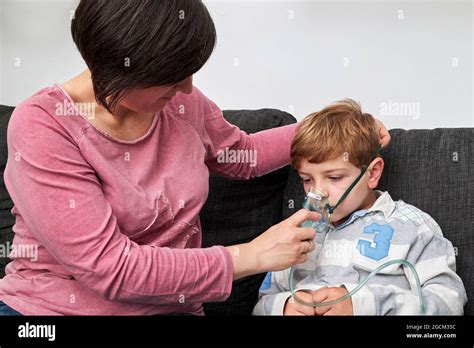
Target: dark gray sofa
<point x="431" y="169"/>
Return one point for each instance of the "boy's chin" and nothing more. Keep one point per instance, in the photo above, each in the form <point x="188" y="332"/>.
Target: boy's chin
<point x="339" y="221"/>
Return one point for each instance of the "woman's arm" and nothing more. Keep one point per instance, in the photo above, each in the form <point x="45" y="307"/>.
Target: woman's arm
<point x="235" y="154"/>
<point x="263" y="152"/>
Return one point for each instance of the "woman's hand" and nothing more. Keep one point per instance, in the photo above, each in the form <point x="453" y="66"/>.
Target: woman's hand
<point x="383" y="133"/>
<point x="280" y="247"/>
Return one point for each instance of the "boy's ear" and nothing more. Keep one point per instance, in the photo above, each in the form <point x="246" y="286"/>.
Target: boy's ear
<point x="375" y="172"/>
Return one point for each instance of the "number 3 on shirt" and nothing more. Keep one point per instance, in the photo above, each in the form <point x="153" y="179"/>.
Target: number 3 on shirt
<point x="383" y="236"/>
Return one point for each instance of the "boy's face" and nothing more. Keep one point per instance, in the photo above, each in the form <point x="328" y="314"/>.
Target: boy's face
<point x="333" y="178"/>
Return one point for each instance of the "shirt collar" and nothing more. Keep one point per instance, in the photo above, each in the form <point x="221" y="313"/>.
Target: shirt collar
<point x="384" y="204"/>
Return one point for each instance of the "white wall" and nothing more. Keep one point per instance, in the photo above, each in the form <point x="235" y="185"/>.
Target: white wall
<point x="38" y="33"/>
<point x="408" y="62"/>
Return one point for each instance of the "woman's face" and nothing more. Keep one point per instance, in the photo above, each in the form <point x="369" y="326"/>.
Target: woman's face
<point x="154" y="99"/>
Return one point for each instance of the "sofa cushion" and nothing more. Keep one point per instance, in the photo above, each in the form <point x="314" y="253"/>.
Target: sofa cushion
<point x="434" y="171"/>
<point x="238" y="211"/>
<point x="6" y="218"/>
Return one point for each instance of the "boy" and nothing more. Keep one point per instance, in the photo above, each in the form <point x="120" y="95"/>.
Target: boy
<point x="332" y="150"/>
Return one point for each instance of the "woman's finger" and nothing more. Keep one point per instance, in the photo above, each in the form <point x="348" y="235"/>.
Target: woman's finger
<point x="385" y="137"/>
<point x="303" y="215"/>
<point x="306" y="246"/>
<point x="302" y="259"/>
<point x="305" y="233"/>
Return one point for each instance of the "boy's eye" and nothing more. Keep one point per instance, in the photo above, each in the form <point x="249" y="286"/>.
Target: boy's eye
<point x="335" y="178"/>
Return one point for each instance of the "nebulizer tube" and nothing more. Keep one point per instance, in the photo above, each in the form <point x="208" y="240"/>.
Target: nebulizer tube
<point x="360" y="285"/>
<point x="316" y="201"/>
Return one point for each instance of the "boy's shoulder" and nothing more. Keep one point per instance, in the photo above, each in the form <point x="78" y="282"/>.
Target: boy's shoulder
<point x="410" y="214"/>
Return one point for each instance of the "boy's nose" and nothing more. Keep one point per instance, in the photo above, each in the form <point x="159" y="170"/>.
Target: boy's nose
<point x="323" y="191"/>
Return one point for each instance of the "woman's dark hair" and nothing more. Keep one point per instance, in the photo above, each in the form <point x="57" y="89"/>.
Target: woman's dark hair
<point x="130" y="44"/>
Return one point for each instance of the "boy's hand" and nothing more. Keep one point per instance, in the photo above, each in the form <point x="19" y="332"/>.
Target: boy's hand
<point x="294" y="308"/>
<point x="383" y="133"/>
<point x="328" y="294"/>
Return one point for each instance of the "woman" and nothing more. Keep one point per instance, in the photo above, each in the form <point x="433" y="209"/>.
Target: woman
<point x="110" y="198"/>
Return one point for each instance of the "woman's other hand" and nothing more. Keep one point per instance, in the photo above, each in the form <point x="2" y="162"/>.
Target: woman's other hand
<point x="384" y="135"/>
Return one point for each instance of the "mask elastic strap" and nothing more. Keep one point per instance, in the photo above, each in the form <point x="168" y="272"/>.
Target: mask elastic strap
<point x="356" y="181"/>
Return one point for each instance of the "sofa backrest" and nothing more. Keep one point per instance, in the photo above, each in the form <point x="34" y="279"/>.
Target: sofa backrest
<point x="434" y="171"/>
<point x="238" y="211"/>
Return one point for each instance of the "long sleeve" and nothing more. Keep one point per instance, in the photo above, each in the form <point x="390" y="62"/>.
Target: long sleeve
<point x="235" y="154"/>
<point x="434" y="260"/>
<point x="46" y="172"/>
<point x="273" y="294"/>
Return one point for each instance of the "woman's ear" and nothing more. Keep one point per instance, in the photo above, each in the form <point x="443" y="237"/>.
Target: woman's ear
<point x="375" y="172"/>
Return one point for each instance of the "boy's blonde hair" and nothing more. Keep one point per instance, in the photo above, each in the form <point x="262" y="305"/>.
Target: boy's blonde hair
<point x="339" y="129"/>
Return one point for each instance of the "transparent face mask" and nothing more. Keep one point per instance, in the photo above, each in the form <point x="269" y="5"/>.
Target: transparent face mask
<point x="316" y="201"/>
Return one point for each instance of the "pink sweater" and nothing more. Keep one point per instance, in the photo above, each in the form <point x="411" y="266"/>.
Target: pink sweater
<point x="111" y="227"/>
